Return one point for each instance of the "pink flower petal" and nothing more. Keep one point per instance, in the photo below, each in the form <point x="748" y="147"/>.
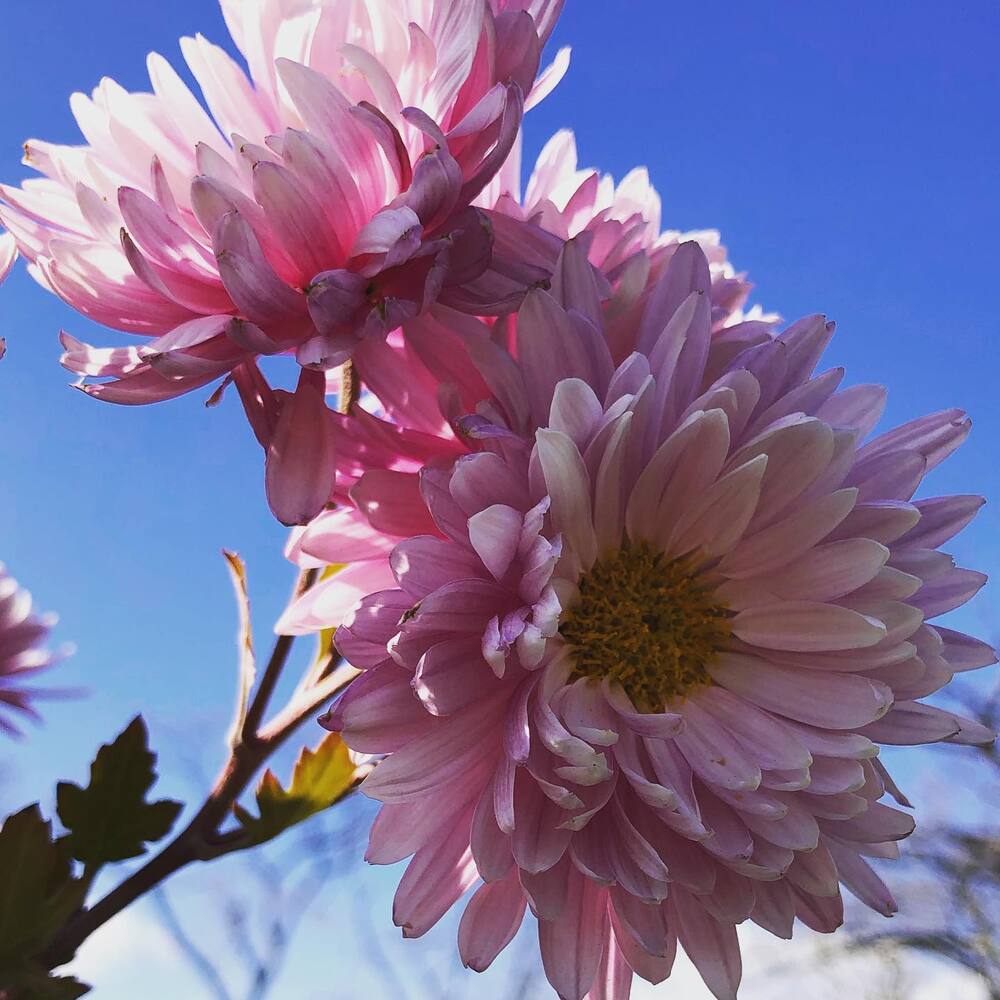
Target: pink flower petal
<point x="568" y="485"/>
<point x="490" y="921"/>
<point x="820" y="698"/>
<point x="807" y="626"/>
<point x="495" y="533"/>
<point x="712" y="946"/>
<point x="301" y="461"/>
<point x="572" y="945"/>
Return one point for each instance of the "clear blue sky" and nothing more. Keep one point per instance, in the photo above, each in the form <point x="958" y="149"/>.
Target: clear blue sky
<point x="847" y="152"/>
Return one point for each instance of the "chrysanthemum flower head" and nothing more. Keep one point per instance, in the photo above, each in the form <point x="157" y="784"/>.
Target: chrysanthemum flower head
<point x="322" y="199"/>
<point x="23" y="633"/>
<point x="637" y="674"/>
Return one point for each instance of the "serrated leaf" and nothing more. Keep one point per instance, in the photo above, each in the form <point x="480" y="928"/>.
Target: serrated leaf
<point x="110" y="819"/>
<point x="321" y="778"/>
<point x="247" y="660"/>
<point x="38" y="892"/>
<point x="31" y="982"/>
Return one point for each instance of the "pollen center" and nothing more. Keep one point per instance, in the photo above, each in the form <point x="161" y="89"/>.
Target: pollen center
<point x="647" y="622"/>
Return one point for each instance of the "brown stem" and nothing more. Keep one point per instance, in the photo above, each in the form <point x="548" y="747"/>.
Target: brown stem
<point x="274" y="668"/>
<point x="350" y="387"/>
<point x="312" y="699"/>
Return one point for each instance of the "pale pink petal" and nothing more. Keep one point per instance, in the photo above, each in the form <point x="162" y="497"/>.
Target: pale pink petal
<point x="495" y="533"/>
<point x="490" y="922"/>
<point x="568" y="485"/>
<point x="711" y="945"/>
<point x="572" y="945"/>
<point x="433" y="881"/>
<point x="820" y="698"/>
<point x="8" y="254"/>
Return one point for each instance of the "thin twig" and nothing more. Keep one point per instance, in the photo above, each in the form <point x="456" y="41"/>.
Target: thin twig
<point x="311" y="700"/>
<point x="274" y="668"/>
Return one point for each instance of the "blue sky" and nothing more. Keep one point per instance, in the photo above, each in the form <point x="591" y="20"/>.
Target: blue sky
<point x="847" y="152"/>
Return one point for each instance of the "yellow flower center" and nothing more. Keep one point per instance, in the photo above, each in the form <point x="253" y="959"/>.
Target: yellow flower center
<point x="647" y="622"/>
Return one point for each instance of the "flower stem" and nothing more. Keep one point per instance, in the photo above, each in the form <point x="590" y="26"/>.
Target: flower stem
<point x="274" y="668"/>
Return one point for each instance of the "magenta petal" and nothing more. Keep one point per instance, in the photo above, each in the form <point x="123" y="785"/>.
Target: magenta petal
<point x="400" y="830"/>
<point x="378" y="709"/>
<point x="963" y="652"/>
<point x="774" y="909"/>
<point x="249" y="278"/>
<point x="445" y="750"/>
<point x="911" y="724"/>
<point x="301" y="461"/>
<point x="614" y="974"/>
<point x="859" y="878"/>
<point x="941" y="519"/>
<point x="540" y="838"/>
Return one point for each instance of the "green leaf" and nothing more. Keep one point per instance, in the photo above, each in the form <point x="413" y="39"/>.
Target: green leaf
<point x="321" y="778"/>
<point x="110" y="819"/>
<point x="38" y="892"/>
<point x="31" y="982"/>
<point x="247" y="661"/>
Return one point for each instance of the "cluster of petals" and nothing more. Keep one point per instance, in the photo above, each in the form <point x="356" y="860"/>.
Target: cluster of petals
<point x="756" y="795"/>
<point x="23" y="633"/>
<point x="431" y="389"/>
<point x="364" y="172"/>
<point x="621" y="222"/>
<point x="325" y="198"/>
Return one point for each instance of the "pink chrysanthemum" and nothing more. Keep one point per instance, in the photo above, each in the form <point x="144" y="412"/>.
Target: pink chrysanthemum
<point x="637" y="674"/>
<point x="324" y="200"/>
<point x="23" y="633"/>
